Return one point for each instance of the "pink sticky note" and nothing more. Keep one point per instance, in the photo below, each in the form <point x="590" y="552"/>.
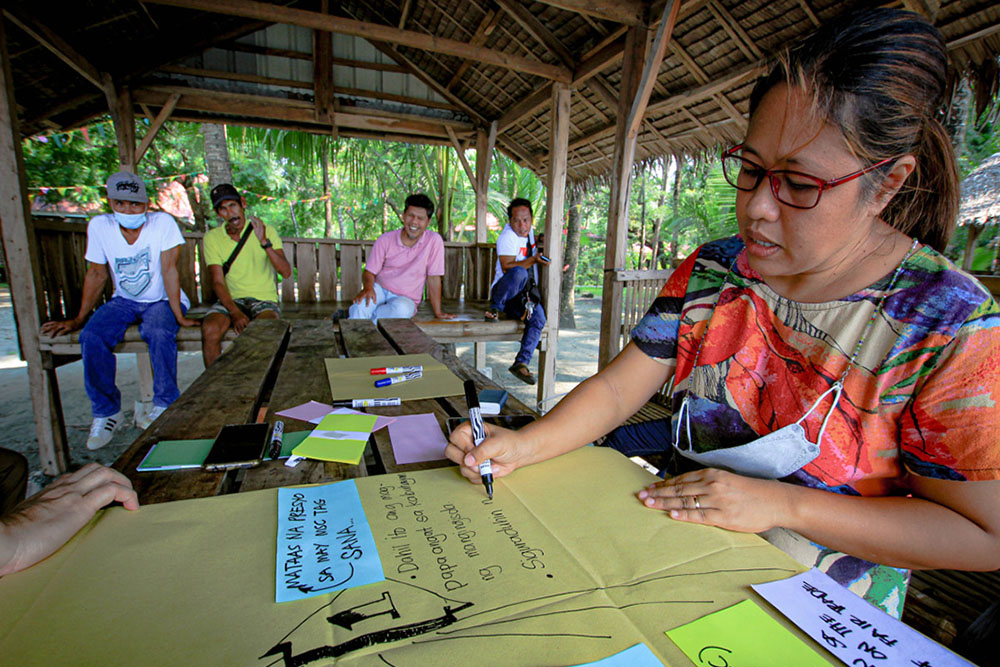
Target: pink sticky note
<point x="312" y="412"/>
<point x="417" y="438"/>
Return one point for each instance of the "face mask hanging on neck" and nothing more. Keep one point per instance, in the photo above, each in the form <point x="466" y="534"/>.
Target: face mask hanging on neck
<point x="130" y="220"/>
<point x="772" y="456"/>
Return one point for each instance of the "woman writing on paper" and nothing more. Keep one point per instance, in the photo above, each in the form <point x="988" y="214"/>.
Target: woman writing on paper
<point x="836" y="380"/>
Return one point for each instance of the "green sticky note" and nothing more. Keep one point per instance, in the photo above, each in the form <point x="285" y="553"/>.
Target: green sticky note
<point x="176" y="455"/>
<point x="340" y="438"/>
<point x="743" y="634"/>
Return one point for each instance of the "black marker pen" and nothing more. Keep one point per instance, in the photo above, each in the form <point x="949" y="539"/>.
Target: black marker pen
<point x="276" y="437"/>
<point x="478" y="434"/>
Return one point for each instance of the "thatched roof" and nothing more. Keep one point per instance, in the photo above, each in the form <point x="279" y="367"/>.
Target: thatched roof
<point x="980" y="202"/>
<point x="418" y="70"/>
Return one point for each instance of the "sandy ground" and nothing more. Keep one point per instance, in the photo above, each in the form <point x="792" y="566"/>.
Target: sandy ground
<point x="577" y="360"/>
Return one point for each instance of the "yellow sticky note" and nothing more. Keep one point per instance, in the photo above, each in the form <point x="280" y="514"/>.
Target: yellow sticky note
<point x="338" y="437"/>
<point x="742" y="635"/>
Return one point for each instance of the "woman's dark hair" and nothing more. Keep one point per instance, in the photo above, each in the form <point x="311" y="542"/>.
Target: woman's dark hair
<point x="520" y="201"/>
<point x="420" y="200"/>
<point x="880" y="76"/>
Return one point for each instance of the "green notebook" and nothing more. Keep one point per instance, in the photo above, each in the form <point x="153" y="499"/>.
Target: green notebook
<point x="181" y="454"/>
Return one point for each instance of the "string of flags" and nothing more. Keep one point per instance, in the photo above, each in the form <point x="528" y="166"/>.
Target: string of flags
<point x="79" y="189"/>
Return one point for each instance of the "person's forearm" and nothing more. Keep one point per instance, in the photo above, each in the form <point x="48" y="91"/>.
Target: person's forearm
<point x="907" y="532"/>
<point x="172" y="286"/>
<point x="279" y="262"/>
<point x="367" y="280"/>
<point x="434" y="294"/>
<point x="597" y="405"/>
<point x="224" y="297"/>
<point x="8" y="549"/>
<point x="93" y="285"/>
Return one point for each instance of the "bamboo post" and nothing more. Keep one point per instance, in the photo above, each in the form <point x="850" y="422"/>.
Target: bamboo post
<point x="22" y="260"/>
<point x="552" y="275"/>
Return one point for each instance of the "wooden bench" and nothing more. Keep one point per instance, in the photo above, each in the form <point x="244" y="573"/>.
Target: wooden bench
<point x="326" y="276"/>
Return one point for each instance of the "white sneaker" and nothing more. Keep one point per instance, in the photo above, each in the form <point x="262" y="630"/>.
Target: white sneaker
<point x="144" y="420"/>
<point x="102" y="429"/>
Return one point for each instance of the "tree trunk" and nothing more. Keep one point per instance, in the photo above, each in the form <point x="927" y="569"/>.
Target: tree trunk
<point x="567" y="320"/>
<point x="198" y="203"/>
<point x="216" y="154"/>
<point x="642" y="219"/>
<point x="675" y="207"/>
<point x="658" y="224"/>
<point x="328" y="204"/>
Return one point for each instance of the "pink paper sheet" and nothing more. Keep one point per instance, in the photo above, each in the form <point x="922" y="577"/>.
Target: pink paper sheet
<point x="314" y="411"/>
<point x="417" y="438"/>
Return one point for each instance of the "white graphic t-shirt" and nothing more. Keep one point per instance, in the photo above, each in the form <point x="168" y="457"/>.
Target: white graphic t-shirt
<point x="509" y="243"/>
<point x="135" y="269"/>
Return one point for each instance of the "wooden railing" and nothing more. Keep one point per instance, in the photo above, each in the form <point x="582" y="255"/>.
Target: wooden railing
<point x="325" y="270"/>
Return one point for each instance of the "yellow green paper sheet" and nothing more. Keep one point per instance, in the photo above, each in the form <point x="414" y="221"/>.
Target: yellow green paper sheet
<point x="352" y="378"/>
<point x="340" y="438"/>
<point x="743" y="634"/>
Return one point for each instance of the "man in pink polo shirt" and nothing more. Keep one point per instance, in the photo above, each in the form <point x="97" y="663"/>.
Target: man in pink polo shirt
<point x="399" y="264"/>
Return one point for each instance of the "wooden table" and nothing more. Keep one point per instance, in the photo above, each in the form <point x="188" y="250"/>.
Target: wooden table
<point x="274" y="365"/>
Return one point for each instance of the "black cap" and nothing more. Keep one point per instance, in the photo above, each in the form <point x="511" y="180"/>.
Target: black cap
<point x="222" y="192"/>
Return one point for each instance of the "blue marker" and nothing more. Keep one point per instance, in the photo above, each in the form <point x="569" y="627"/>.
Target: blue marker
<point x="385" y="382"/>
<point x="478" y="434"/>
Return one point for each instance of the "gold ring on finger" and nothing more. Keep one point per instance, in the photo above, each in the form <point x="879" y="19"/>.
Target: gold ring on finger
<point x="697" y="504"/>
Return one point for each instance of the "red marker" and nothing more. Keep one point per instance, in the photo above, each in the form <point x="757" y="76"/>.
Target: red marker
<point x="396" y="369"/>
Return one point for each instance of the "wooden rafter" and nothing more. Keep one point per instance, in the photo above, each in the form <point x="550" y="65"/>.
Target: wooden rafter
<point x="652" y="67"/>
<point x="155" y="125"/>
<point x="678" y="101"/>
<point x="461" y="158"/>
<point x="629" y="12"/>
<point x="372" y="31"/>
<point x="483" y="31"/>
<point x="735" y="31"/>
<point x="404" y="13"/>
<point x="534" y="27"/>
<point x="58" y="46"/>
<point x="239" y="105"/>
<point x="804" y="4"/>
<point x="323" y="98"/>
<point x="433" y="83"/>
<point x="592" y="64"/>
<point x="305" y="55"/>
<point x="305" y="85"/>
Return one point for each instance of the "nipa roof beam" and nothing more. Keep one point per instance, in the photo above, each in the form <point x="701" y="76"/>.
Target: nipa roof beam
<point x="374" y="32"/>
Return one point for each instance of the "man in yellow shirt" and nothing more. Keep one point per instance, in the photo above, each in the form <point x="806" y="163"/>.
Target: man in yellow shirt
<point x="244" y="281"/>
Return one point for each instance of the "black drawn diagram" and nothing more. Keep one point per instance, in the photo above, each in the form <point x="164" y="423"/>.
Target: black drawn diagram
<point x="378" y="615"/>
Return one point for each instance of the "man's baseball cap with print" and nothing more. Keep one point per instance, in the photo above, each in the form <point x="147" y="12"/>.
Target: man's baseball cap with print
<point x="126" y="186"/>
<point x="222" y="192"/>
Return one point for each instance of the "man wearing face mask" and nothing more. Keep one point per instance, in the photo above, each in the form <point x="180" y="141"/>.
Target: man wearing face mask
<point x="139" y="249"/>
<point x="242" y="260"/>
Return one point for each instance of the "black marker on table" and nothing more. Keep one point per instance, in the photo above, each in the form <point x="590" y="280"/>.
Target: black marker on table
<point x="276" y="437"/>
<point x="478" y="434"/>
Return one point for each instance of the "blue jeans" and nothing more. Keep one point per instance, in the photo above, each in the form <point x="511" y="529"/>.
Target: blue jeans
<point x="387" y="305"/>
<point x="106" y="328"/>
<point x="505" y="296"/>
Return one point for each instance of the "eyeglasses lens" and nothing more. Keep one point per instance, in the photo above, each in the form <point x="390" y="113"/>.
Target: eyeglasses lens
<point x="797" y="190"/>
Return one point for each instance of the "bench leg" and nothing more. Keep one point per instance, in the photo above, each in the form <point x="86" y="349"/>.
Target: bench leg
<point x="49" y="422"/>
<point x="144" y="368"/>
<point x="546" y="371"/>
<point x="479" y="354"/>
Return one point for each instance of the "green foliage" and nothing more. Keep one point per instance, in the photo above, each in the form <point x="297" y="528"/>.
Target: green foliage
<point x="77" y="158"/>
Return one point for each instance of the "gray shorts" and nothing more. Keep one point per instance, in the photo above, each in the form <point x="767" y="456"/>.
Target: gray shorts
<point x="248" y="305"/>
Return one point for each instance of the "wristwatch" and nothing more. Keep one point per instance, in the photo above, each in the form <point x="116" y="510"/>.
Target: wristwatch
<point x="266" y="244"/>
